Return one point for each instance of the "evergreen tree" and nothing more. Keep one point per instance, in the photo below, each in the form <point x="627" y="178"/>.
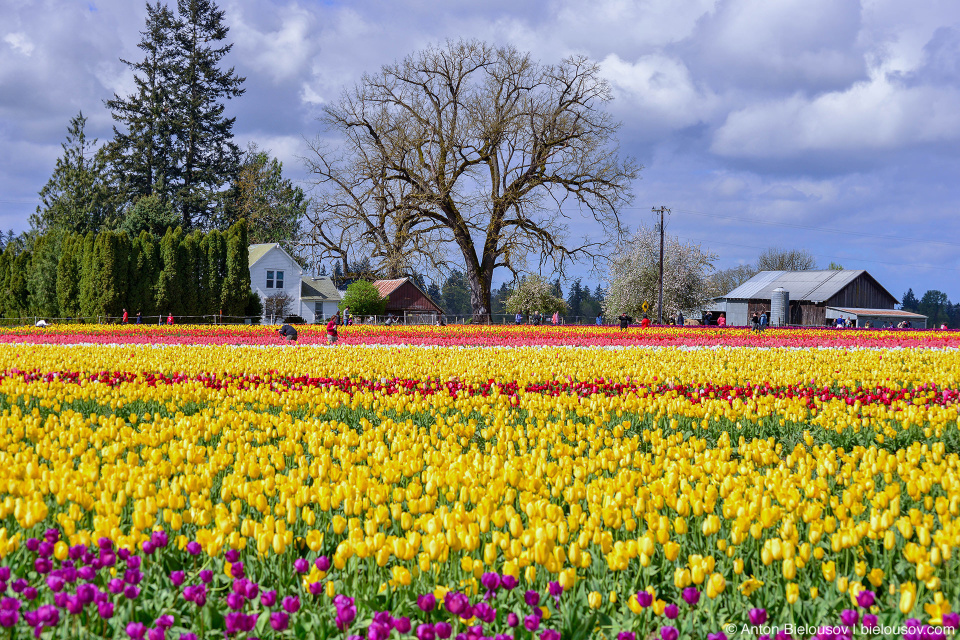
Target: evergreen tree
<point x="68" y="276"/>
<point x="215" y="247"/>
<point x="236" y="282"/>
<point x="194" y="270"/>
<point x="144" y="273"/>
<point x="42" y="275"/>
<point x="208" y="157"/>
<point x="88" y="293"/>
<point x="77" y="197"/>
<point x="169" y="292"/>
<point x="434" y="292"/>
<point x="151" y="214"/>
<point x="910" y="301"/>
<point x="575" y="299"/>
<point x="111" y="254"/>
<point x="15" y="290"/>
<point x="456" y="294"/>
<point x="498" y="300"/>
<point x="934" y="304"/>
<point x="337" y="276"/>
<point x="142" y="151"/>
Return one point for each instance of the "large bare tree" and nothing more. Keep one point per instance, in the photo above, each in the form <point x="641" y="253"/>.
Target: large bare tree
<point x="473" y="147"/>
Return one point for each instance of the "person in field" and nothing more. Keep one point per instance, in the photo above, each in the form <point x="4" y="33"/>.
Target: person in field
<point x="625" y="321"/>
<point x="288" y="332"/>
<point x="139" y="317"/>
<point x="645" y="322"/>
<point x="332" y="329"/>
<point x="126" y="316"/>
<point x="169" y="318"/>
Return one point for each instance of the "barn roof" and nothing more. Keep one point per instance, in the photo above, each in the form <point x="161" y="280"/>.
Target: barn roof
<point x="889" y="313"/>
<point x="386" y="287"/>
<point x="814" y="286"/>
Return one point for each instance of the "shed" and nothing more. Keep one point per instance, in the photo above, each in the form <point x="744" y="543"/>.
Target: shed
<point x="877" y="317"/>
<point x="810" y="293"/>
<point x="405" y="299"/>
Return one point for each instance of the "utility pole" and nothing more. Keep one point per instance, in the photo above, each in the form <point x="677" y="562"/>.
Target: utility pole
<point x="662" y="210"/>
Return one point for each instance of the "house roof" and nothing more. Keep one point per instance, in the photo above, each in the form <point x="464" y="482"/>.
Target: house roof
<point x="386" y="287"/>
<point x="257" y="251"/>
<point x="815" y="286"/>
<point x="890" y="313"/>
<point x="318" y="289"/>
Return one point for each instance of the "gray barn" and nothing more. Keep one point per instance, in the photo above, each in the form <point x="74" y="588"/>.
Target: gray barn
<point x="810" y="293"/>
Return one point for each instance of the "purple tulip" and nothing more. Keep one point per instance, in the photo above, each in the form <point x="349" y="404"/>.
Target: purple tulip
<point x="490" y="581"/>
<point x="443" y="630"/>
<point x="251" y="590"/>
<point x="869" y="620"/>
<point x="508" y="582"/>
<point x="51" y="535"/>
<point x="427" y="602"/>
<point x="87" y="573"/>
<point x="322" y="563"/>
<point x="30" y="593"/>
<point x="377" y="631"/>
<point x="8" y="618"/>
<point x="626" y="635"/>
<point x="512" y="619"/>
<point x="4" y="574"/>
<point x="556" y="589"/>
<point x="300" y="565"/>
<point x="315" y="588"/>
<point x="279" y="620"/>
<point x="136" y="630"/>
<point x="148" y="547"/>
<point x="950" y="620"/>
<point x="42" y="565"/>
<point x="74" y="605"/>
<point x="758" y="616"/>
<point x="485" y="612"/>
<point x="691" y="596"/>
<point x="188" y="636"/>
<point x="236" y="570"/>
<point x="456" y="602"/>
<point x="644" y="599"/>
<point x="132" y="576"/>
<point x="46" y="549"/>
<point x="720" y="635"/>
<point x="783" y="635"/>
<point x="531" y="622"/>
<point x="849" y="617"/>
<point x="671" y="611"/>
<point x="156" y="634"/>
<point x="865" y="599"/>
<point x="130" y="592"/>
<point x="105" y="544"/>
<point x="206" y="576"/>
<point x="159" y="539"/>
<point x="291" y="604"/>
<point x="550" y="634"/>
<point x="669" y="633"/>
<point x="115" y="586"/>
<point x="177" y="578"/>
<point x="231" y="556"/>
<point x="532" y="598"/>
<point x="76" y="552"/>
<point x="402" y="625"/>
<point x="133" y="562"/>
<point x="425" y="632"/>
<point x="105" y="609"/>
<point x="32" y="545"/>
<point x="268" y="598"/>
<point x="55" y="583"/>
<point x="108" y="560"/>
<point x="236" y="601"/>
<point x="86" y="593"/>
<point x="194" y="548"/>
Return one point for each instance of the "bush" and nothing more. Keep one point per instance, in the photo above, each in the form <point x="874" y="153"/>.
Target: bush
<point x="364" y="300"/>
<point x="294" y="320"/>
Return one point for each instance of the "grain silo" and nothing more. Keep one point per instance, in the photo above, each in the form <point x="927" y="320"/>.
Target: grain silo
<point x="779" y="307"/>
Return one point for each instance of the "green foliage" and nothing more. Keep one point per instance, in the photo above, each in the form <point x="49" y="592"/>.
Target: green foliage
<point x="88" y="299"/>
<point x="111" y="255"/>
<point x="151" y="214"/>
<point x="535" y="294"/>
<point x="364" y="299"/>
<point x="271" y="204"/>
<point x="254" y="305"/>
<point x="77" y="198"/>
<point x="910" y="302"/>
<point x="42" y="274"/>
<point x="455" y="295"/>
<point x="170" y="283"/>
<point x="68" y="276"/>
<point x="215" y="247"/>
<point x="236" y="282"/>
<point x="143" y="275"/>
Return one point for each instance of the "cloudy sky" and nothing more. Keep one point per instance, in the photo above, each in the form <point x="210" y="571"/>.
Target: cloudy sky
<point x="829" y="125"/>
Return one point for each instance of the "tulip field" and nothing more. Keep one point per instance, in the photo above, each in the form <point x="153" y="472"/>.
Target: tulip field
<point x="479" y="482"/>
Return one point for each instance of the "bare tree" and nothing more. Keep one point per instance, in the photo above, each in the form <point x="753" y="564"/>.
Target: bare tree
<point x="475" y="147"/>
<point x="776" y="259"/>
<point x="278" y="305"/>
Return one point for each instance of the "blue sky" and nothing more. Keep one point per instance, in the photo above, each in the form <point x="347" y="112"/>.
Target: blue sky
<point x="829" y="125"/>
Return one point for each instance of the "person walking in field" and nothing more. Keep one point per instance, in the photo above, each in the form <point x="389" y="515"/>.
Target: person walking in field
<point x="680" y="318"/>
<point x="139" y="317"/>
<point x="556" y="318"/>
<point x="645" y="322"/>
<point x="755" y="322"/>
<point x="599" y="319"/>
<point x="169" y="318"/>
<point x="625" y="321"/>
<point x="332" y="329"/>
<point x="125" y="316"/>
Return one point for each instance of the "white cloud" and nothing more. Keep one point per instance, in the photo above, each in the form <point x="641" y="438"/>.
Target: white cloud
<point x="279" y="51"/>
<point x="20" y="42"/>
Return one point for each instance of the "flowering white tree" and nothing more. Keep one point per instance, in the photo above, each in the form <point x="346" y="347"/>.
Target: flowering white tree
<point x="634" y="275"/>
<point x="534" y="294"/>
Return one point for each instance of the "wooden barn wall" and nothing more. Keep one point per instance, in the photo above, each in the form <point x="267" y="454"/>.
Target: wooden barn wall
<point x="407" y="297"/>
<point x="801" y="312"/>
<point x="862" y="293"/>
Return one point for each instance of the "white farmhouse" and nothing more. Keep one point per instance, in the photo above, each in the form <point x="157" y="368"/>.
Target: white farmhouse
<point x="273" y="271"/>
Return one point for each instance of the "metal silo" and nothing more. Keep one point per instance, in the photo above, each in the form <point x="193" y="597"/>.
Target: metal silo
<point x="779" y="307"/>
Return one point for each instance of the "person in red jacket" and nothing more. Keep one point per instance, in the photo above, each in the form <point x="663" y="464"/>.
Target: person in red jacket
<point x="169" y="318"/>
<point x="645" y="322"/>
<point x="125" y="316"/>
<point x="332" y="329"/>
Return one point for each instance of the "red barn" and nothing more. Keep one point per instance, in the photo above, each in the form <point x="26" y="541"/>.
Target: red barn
<point x="408" y="301"/>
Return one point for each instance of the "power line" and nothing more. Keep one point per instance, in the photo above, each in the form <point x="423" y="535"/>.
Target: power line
<point x="813" y="228"/>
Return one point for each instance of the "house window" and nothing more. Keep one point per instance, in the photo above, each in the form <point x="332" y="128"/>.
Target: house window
<point x="269" y="279"/>
<point x="279" y="279"/>
<point x="317" y="310"/>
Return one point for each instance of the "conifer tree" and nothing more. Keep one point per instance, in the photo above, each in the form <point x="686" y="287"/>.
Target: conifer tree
<point x="188" y="270"/>
<point x="77" y="197"/>
<point x="68" y="276"/>
<point x="142" y="151"/>
<point x="42" y="274"/>
<point x="215" y="247"/>
<point x="208" y="157"/>
<point x="88" y="297"/>
<point x="143" y="274"/>
<point x="169" y="281"/>
<point x="15" y="292"/>
<point x="110" y="273"/>
<point x="236" y="283"/>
